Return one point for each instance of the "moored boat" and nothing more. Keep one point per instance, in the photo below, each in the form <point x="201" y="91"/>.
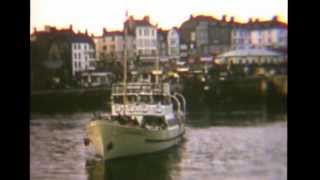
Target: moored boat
<point x="144" y="118"/>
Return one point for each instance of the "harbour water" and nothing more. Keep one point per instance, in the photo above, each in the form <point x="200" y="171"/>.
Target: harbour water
<point x="254" y="149"/>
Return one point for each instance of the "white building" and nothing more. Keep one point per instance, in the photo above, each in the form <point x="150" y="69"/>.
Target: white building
<point x="268" y="34"/>
<point x="240" y="35"/>
<point x="265" y="34"/>
<point x="173" y="41"/>
<point x="145" y="37"/>
<point x="83" y="54"/>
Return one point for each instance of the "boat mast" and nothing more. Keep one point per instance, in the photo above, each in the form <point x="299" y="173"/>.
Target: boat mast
<point x="125" y="66"/>
<point x="157" y="58"/>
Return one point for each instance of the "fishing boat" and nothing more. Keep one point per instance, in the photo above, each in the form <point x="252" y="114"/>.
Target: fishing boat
<point x="145" y="117"/>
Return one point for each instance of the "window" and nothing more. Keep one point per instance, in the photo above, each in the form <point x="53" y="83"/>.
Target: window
<point x="79" y="47"/>
<point x="75" y="56"/>
<point x="79" y="56"/>
<point x="154" y="43"/>
<point x="146" y="32"/>
<point x="140" y="32"/>
<point x="85" y="47"/>
<point x="153" y="52"/>
<point x="118" y="99"/>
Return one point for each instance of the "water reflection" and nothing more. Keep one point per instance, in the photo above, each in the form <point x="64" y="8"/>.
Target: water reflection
<point x="157" y="166"/>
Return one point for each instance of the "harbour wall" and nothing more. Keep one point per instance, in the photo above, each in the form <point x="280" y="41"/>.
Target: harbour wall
<point x="222" y="96"/>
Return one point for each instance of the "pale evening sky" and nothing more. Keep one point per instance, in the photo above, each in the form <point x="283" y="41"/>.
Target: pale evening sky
<point x="93" y="15"/>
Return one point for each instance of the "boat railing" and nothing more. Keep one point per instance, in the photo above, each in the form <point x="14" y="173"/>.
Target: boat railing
<point x="141" y="88"/>
<point x="184" y="103"/>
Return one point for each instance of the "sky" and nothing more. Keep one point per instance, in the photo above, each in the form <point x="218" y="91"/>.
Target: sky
<point x="93" y="15"/>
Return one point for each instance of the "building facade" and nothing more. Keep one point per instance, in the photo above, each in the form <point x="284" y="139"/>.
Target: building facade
<point x="206" y="35"/>
<point x="58" y="56"/>
<point x="173" y="43"/>
<point x="268" y="34"/>
<point x="110" y="45"/>
<point x="240" y="35"/>
<point x="162" y="44"/>
<point x="83" y="54"/>
<point x="145" y="38"/>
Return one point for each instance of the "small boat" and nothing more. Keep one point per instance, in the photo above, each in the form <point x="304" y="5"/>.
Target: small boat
<point x="144" y="118"/>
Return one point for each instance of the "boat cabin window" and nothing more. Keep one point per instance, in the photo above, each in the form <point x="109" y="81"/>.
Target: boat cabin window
<point x="172" y="122"/>
<point x="166" y="100"/>
<point x="118" y="99"/>
<point x="145" y="99"/>
<point x="132" y="99"/>
<point x="157" y="99"/>
<point x="154" y="121"/>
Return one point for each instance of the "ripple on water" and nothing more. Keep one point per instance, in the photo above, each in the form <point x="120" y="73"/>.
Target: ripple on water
<point x="228" y="153"/>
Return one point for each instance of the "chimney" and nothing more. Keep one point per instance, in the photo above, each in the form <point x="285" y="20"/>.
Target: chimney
<point x="34" y="30"/>
<point x="191" y="16"/>
<point x="224" y="18"/>
<point x="275" y="18"/>
<point x="250" y="20"/>
<point x="70" y="27"/>
<point x="79" y="32"/>
<point x="47" y="28"/>
<point x="104" y="31"/>
<point x="131" y="18"/>
<point x="257" y="20"/>
<point x="146" y="18"/>
<point x="232" y="19"/>
<point x="86" y="32"/>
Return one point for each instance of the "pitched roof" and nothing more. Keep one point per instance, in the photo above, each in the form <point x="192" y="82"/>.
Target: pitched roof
<point x="249" y="52"/>
<point x="67" y="34"/>
<point x="113" y="33"/>
<point x="266" y="24"/>
<point x="204" y="18"/>
<point x="81" y="38"/>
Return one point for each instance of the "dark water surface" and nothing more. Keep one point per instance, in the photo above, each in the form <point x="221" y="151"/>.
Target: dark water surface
<point x="212" y="149"/>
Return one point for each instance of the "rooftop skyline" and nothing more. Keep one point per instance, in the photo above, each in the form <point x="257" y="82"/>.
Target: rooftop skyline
<point x="94" y="15"/>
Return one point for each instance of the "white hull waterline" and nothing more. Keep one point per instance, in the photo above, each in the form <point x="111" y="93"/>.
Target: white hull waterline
<point x="114" y="140"/>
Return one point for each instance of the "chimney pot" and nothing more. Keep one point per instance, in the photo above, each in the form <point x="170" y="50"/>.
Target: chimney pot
<point x="275" y="18"/>
<point x="146" y="18"/>
<point x="224" y="18"/>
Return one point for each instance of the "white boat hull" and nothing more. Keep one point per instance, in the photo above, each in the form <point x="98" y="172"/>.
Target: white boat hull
<point x="113" y="141"/>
